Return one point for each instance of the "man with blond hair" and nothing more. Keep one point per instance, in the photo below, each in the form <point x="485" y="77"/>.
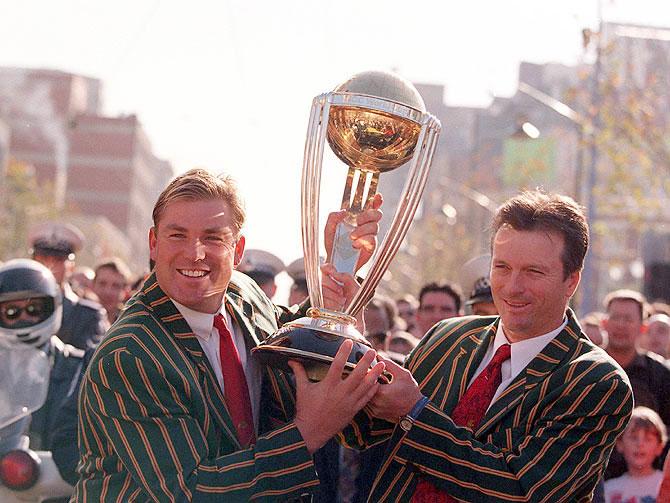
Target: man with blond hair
<point x="173" y="407"/>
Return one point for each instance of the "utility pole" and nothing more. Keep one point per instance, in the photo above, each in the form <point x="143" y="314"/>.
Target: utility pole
<point x="589" y="284"/>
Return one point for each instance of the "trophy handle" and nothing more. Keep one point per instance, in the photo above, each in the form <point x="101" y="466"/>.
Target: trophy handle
<point x="409" y="201"/>
<point x="361" y="185"/>
<point x="311" y="182"/>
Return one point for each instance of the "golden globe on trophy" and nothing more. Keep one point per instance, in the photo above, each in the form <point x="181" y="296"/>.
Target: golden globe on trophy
<point x="374" y="122"/>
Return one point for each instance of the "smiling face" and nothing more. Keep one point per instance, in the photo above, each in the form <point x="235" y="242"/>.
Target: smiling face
<point x="195" y="248"/>
<point x="527" y="282"/>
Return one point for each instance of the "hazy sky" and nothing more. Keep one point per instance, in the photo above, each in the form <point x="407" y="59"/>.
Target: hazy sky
<point x="228" y="84"/>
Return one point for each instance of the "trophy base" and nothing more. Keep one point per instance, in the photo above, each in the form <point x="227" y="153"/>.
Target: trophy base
<point x="313" y="341"/>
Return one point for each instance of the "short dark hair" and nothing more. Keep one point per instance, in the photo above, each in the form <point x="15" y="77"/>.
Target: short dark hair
<point x="535" y="210"/>
<point x="117" y="265"/>
<point x="630" y="295"/>
<point x="449" y="288"/>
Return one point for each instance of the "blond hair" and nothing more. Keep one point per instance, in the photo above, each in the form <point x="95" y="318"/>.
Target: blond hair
<point x="201" y="185"/>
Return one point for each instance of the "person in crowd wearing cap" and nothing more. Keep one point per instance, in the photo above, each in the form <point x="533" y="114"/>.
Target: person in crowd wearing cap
<point x="172" y="406"/>
<point x="262" y="267"/>
<point x="437" y="302"/>
<point x="519" y="407"/>
<point x="299" y="291"/>
<point x="111" y="284"/>
<point x="476" y="275"/>
<point x="54" y="244"/>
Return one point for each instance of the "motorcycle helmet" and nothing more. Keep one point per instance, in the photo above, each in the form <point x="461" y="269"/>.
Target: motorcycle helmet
<point x="31" y="304"/>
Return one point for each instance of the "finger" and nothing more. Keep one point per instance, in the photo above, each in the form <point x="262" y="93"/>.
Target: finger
<point x="336" y="369"/>
<point x="367" y="396"/>
<point x="376" y="202"/>
<point x="371" y="380"/>
<point x="356" y="376"/>
<point x="393" y="368"/>
<point x="301" y="379"/>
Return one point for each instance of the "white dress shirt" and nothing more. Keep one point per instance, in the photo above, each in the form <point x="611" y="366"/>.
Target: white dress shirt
<point x="522" y="353"/>
<point x="202" y="325"/>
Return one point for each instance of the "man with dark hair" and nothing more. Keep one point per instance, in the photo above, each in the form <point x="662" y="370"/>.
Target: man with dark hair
<point x="520" y="407"/>
<point x="173" y="407"/>
<point x="111" y="284"/>
<point x="648" y="373"/>
<point x="437" y="302"/>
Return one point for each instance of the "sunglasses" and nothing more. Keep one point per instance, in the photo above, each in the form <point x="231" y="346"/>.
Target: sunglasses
<point x="37" y="309"/>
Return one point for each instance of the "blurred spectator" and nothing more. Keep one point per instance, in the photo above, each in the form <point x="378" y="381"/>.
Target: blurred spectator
<point x="262" y="267"/>
<point x="377" y="322"/>
<point x="111" y="285"/>
<point x="658" y="334"/>
<point x="640" y="445"/>
<point x="476" y="275"/>
<point x="401" y="342"/>
<point x="407" y="307"/>
<point x="54" y="245"/>
<point x="299" y="292"/>
<point x="649" y="376"/>
<point x="592" y="324"/>
<point x="437" y="301"/>
<point x="81" y="281"/>
<point x="659" y="308"/>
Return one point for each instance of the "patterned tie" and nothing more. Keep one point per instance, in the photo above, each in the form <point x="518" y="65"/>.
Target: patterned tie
<point x="235" y="384"/>
<point x="469" y="412"/>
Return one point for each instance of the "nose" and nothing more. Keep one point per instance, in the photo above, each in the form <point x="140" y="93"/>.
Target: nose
<point x="514" y="284"/>
<point x="196" y="250"/>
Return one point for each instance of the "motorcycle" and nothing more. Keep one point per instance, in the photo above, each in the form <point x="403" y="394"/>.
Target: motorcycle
<point x="25" y="475"/>
<point x="30" y="313"/>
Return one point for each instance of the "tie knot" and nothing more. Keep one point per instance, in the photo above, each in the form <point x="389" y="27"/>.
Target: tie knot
<point x="503" y="353"/>
<point x="220" y="322"/>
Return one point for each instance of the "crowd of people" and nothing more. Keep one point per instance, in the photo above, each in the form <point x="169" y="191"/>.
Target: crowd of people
<point x="498" y="393"/>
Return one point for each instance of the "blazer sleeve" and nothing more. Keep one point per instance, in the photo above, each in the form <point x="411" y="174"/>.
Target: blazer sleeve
<point x="564" y="448"/>
<point x="146" y="418"/>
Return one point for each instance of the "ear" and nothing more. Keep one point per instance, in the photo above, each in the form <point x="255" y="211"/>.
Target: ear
<point x="152" y="243"/>
<point x="239" y="251"/>
<point x="573" y="282"/>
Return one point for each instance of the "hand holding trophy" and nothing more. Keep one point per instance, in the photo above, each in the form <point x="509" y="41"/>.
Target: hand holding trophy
<point x="374" y="122"/>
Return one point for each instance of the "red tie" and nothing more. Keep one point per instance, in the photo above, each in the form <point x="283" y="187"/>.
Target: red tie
<point x="235" y="384"/>
<point x="469" y="412"/>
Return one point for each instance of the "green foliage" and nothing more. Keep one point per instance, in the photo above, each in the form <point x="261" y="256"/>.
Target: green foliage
<point x="24" y="202"/>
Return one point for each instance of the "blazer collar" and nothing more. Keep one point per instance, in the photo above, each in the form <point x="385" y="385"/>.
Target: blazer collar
<point x="536" y="371"/>
<point x="170" y="316"/>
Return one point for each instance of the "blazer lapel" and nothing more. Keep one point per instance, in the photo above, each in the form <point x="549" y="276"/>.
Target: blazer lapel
<point x="535" y="372"/>
<point x="188" y="342"/>
<point x="454" y="382"/>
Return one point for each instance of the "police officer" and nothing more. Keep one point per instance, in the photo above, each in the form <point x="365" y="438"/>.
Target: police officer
<point x="54" y="244"/>
<point x="31" y="305"/>
<point x="262" y="267"/>
<point x="475" y="278"/>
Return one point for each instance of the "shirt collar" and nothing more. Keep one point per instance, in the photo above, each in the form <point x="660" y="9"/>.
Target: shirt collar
<point x="200" y="323"/>
<point x="523" y="352"/>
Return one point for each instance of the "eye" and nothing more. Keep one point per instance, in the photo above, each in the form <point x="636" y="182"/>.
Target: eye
<point x="176" y="235"/>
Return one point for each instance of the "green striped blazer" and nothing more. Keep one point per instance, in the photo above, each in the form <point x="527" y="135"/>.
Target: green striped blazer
<point x="153" y="423"/>
<point x="546" y="438"/>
